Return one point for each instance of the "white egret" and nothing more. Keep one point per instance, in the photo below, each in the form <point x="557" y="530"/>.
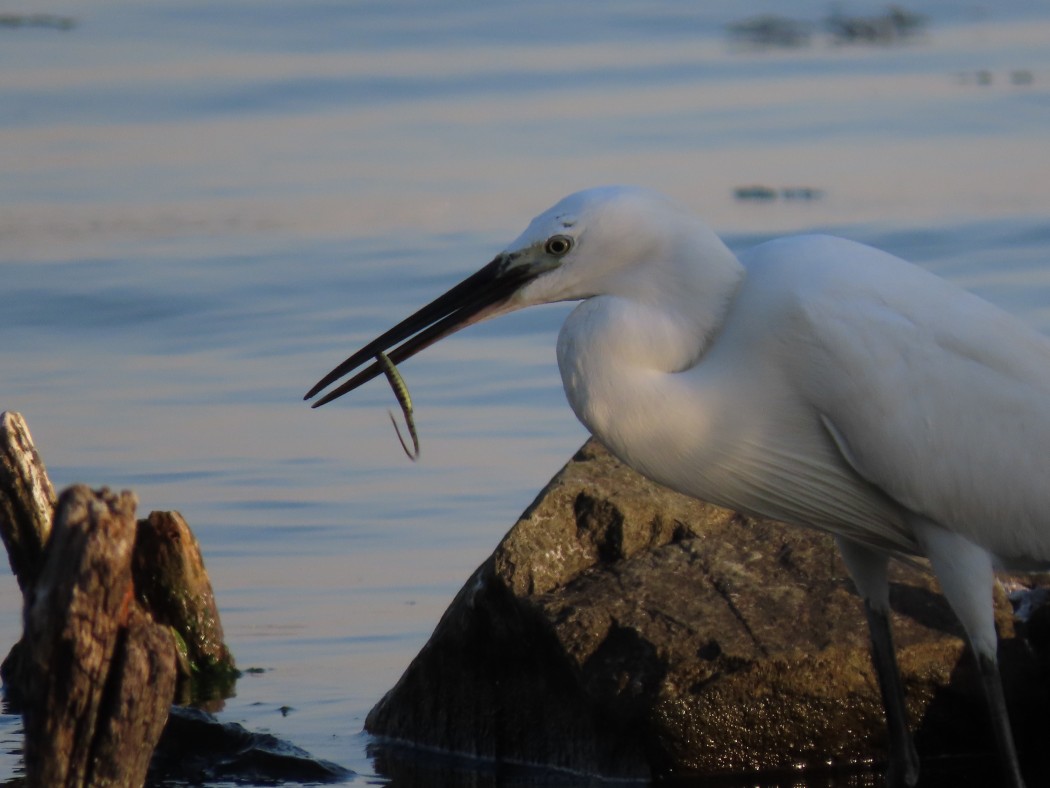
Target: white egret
<point x="812" y="380"/>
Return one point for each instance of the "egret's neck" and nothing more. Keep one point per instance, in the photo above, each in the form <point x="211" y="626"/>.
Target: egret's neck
<point x="662" y="315"/>
<point x="617" y="352"/>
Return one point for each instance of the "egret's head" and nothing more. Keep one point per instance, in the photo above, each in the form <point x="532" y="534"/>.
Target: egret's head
<point x="597" y="241"/>
<point x="592" y="242"/>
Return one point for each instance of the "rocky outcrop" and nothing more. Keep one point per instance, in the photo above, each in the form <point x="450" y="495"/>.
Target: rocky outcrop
<point x="623" y="630"/>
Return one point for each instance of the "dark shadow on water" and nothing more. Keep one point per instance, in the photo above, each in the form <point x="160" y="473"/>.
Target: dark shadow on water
<point x="411" y="767"/>
<point x="407" y="767"/>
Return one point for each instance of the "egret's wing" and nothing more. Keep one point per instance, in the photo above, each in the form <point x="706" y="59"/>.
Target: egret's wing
<point x="935" y="396"/>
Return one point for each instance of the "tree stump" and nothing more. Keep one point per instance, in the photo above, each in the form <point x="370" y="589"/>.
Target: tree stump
<point x="98" y="674"/>
<point x="171" y="581"/>
<point x="116" y="612"/>
<point x="27" y="499"/>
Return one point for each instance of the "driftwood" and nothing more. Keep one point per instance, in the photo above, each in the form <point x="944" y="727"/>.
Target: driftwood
<point x="170" y="579"/>
<point x="97" y="673"/>
<point x="27" y="499"/>
<point x="117" y="614"/>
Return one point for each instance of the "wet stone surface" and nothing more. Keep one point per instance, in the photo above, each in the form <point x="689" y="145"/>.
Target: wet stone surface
<point x="624" y="630"/>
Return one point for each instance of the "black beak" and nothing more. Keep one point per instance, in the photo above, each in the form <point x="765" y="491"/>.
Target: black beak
<point x="475" y="298"/>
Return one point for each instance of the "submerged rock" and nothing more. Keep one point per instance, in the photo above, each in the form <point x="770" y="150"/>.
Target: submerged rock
<point x="197" y="749"/>
<point x="622" y="630"/>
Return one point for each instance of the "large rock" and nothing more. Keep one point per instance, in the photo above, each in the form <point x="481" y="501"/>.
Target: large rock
<point x="623" y="630"/>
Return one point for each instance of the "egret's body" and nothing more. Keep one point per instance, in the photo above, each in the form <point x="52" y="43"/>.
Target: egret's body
<point x="841" y="388"/>
<point x="813" y="380"/>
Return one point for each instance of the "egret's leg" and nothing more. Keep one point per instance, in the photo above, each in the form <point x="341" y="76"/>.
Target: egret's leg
<point x="964" y="571"/>
<point x="868" y="570"/>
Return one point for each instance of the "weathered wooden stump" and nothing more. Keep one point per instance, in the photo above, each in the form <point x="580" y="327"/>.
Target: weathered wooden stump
<point x="117" y="614"/>
<point x="97" y="673"/>
<point x="171" y="581"/>
<point x="27" y="499"/>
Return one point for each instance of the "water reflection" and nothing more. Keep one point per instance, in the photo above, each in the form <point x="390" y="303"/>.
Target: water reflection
<point x="406" y="768"/>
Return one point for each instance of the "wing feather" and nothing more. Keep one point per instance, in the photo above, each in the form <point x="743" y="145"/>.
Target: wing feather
<point x="932" y="394"/>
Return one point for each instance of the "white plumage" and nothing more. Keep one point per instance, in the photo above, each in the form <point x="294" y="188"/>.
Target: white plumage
<point x="813" y="380"/>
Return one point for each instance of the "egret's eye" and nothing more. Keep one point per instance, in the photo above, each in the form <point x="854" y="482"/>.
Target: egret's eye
<point x="558" y="245"/>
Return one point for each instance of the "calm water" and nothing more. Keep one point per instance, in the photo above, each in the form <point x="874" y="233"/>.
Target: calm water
<point x="205" y="206"/>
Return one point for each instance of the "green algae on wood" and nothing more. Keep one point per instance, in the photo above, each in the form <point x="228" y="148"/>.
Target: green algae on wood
<point x="170" y="578"/>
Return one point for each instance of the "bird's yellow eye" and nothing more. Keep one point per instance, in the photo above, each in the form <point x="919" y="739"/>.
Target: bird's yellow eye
<point x="558" y="245"/>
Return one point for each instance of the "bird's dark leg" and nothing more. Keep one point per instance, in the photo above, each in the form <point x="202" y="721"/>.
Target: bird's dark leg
<point x="903" y="768"/>
<point x="868" y="570"/>
<point x="964" y="571"/>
